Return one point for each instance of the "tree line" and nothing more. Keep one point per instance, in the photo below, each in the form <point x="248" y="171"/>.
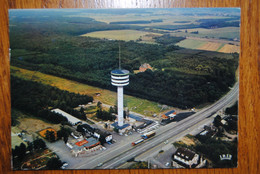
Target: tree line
<point x="37" y="99"/>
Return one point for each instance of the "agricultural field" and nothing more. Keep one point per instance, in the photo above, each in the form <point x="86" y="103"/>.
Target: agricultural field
<point x="166" y="18"/>
<point x="210" y="46"/>
<point x="139" y="17"/>
<point x="191" y="43"/>
<point x="203" y="44"/>
<point x="232" y="33"/>
<point x="227" y="48"/>
<point x="108" y="97"/>
<point x="125" y="35"/>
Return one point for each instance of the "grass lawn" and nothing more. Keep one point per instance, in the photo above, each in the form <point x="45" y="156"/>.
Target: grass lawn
<point x="134" y="104"/>
<point x="15" y="139"/>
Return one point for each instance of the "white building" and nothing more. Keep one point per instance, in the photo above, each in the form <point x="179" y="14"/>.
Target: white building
<point x="186" y="157"/>
<point x="71" y="119"/>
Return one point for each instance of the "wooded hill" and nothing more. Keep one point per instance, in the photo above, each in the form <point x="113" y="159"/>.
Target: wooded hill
<point x="180" y="77"/>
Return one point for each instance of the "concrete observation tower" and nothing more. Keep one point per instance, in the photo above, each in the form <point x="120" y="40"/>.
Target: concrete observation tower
<point x="120" y="78"/>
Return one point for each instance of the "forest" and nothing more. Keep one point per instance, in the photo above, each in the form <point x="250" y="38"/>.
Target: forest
<point x="37" y="99"/>
<point x="180" y="77"/>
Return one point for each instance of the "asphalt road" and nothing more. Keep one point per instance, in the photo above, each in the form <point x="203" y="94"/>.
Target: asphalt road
<point x="113" y="158"/>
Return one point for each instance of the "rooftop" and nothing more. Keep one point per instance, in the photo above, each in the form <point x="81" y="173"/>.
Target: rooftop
<point x="120" y="72"/>
<point x="68" y="116"/>
<point x="137" y="118"/>
<point x="185" y="153"/>
<point x="120" y="127"/>
<point x="87" y="143"/>
<point x="170" y="112"/>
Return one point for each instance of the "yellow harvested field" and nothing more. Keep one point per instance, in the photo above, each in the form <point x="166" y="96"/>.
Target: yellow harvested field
<point x="210" y="46"/>
<point x="125" y="35"/>
<point x="32" y="125"/>
<point x="229" y="48"/>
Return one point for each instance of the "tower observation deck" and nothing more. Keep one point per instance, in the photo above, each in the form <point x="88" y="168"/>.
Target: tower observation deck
<point x="120" y="78"/>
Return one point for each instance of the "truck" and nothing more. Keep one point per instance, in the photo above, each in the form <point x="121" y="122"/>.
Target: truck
<point x="137" y="142"/>
<point x="148" y="135"/>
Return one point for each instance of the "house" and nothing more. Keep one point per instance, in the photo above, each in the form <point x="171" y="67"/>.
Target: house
<point x="88" y="129"/>
<point x="186" y="158"/>
<point x="144" y="67"/>
<point x="71" y="119"/>
<point x="101" y="134"/>
<point x="84" y="146"/>
<point x="209" y="130"/>
<point x="97" y="132"/>
<point x="76" y="134"/>
<point x="169" y="115"/>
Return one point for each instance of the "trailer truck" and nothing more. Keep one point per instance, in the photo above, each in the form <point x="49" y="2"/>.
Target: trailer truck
<point x="148" y="135"/>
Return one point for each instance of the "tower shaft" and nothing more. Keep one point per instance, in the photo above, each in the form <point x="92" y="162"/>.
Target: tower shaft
<point x="120" y="78"/>
<point x="120" y="105"/>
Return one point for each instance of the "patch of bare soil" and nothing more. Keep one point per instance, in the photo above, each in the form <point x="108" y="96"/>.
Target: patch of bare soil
<point x="187" y="141"/>
<point x="34" y="125"/>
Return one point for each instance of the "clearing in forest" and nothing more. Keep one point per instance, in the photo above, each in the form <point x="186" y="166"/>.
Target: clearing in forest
<point x="32" y="125"/>
<point x="107" y="97"/>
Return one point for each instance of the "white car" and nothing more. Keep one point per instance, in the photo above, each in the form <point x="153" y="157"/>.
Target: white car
<point x="167" y="164"/>
<point x="100" y="164"/>
<point x="65" y="164"/>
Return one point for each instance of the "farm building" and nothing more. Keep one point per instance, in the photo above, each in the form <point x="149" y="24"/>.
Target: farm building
<point x="144" y="67"/>
<point x="71" y="119"/>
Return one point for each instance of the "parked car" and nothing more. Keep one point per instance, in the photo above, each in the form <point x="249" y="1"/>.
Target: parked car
<point x="64" y="165"/>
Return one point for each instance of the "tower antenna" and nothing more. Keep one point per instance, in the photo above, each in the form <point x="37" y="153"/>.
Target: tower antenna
<point x="119" y="56"/>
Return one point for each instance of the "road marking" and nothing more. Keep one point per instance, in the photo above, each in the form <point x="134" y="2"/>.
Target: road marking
<point x="193" y="120"/>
